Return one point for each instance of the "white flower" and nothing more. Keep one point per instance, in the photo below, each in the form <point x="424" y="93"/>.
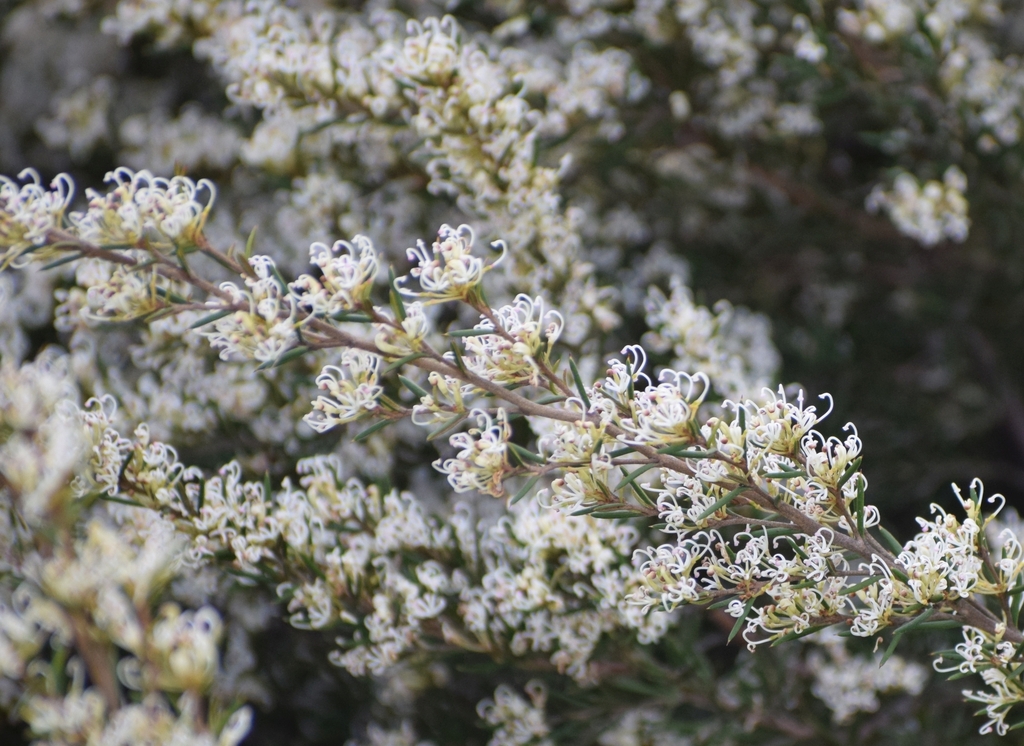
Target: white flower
<point x="516" y="720"/>
<point x="482" y="462"/>
<point x="928" y="213"/>
<point x="352" y="391"/>
<point x="267" y="329"/>
<point x="29" y="210"/>
<point x="512" y="357"/>
<point x="349" y="270"/>
<point x="145" y="208"/>
<point x="449" y="271"/>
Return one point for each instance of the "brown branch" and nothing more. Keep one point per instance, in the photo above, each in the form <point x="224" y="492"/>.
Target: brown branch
<point x="98" y="662"/>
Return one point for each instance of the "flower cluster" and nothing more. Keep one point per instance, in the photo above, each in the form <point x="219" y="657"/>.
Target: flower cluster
<point x="516" y="721"/>
<point x="352" y="389"/>
<point x="598" y="147"/>
<point x="730" y="345"/>
<point x="265" y="327"/>
<point x="930" y="213"/>
<point x="849" y="684"/>
<point x="142" y="208"/>
<point x="29" y="211"/>
<point x="449" y="271"/>
<point x="80" y="119"/>
<point x="484" y="456"/>
<point x="348" y="271"/>
<point x="768" y="515"/>
<point x="994" y="659"/>
<point x="80" y="585"/>
<point x="395" y="576"/>
<point x="509" y="347"/>
<point x="40" y="450"/>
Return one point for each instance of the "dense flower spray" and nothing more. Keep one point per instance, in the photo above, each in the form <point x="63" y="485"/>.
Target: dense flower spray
<point x="205" y="427"/>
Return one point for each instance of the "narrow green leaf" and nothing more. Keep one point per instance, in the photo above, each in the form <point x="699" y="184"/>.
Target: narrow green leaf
<point x="941" y="624"/>
<point x="908" y="627"/>
<point x="579" y="384"/>
<point x="351" y="316"/>
<point x="402" y="361"/>
<point x="850" y="471"/>
<point x="742" y="618"/>
<point x="527" y="455"/>
<point x="591" y="508"/>
<point x="1015" y="590"/>
<point x="890" y="650"/>
<point x="790" y="636"/>
<point x="860" y="586"/>
<point x="397" y="304"/>
<point x="796" y="547"/>
<point x="311" y="565"/>
<point x="530" y="484"/>
<point x="894" y="546"/>
<point x="446" y="428"/>
<point x="244" y="574"/>
<point x="413" y="387"/>
<point x="803" y="584"/>
<point x="287" y="357"/>
<point x="615" y="514"/>
<point x="470" y="333"/>
<point x="634" y="475"/>
<point x="682" y="452"/>
<point x="552" y="399"/>
<point x="390" y="403"/>
<point x="279" y="278"/>
<point x="221" y="260"/>
<point x="916" y="621"/>
<point x="170" y="295"/>
<point x="121" y="500"/>
<point x="250" y="242"/>
<point x="898" y="573"/>
<point x="89" y="500"/>
<point x="212" y="317"/>
<point x="458" y="358"/>
<point x="62" y="261"/>
<point x="788" y="474"/>
<point x="629" y="376"/>
<point x="718" y="505"/>
<point x="371" y="430"/>
<point x="180" y="252"/>
<point x="858" y="506"/>
<point x="642" y="496"/>
<point x="161" y="314"/>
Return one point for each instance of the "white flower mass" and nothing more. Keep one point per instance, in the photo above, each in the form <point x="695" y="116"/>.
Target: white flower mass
<point x="363" y="339"/>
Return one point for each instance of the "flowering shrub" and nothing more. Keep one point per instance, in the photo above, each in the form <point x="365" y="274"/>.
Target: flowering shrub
<point x="480" y="466"/>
